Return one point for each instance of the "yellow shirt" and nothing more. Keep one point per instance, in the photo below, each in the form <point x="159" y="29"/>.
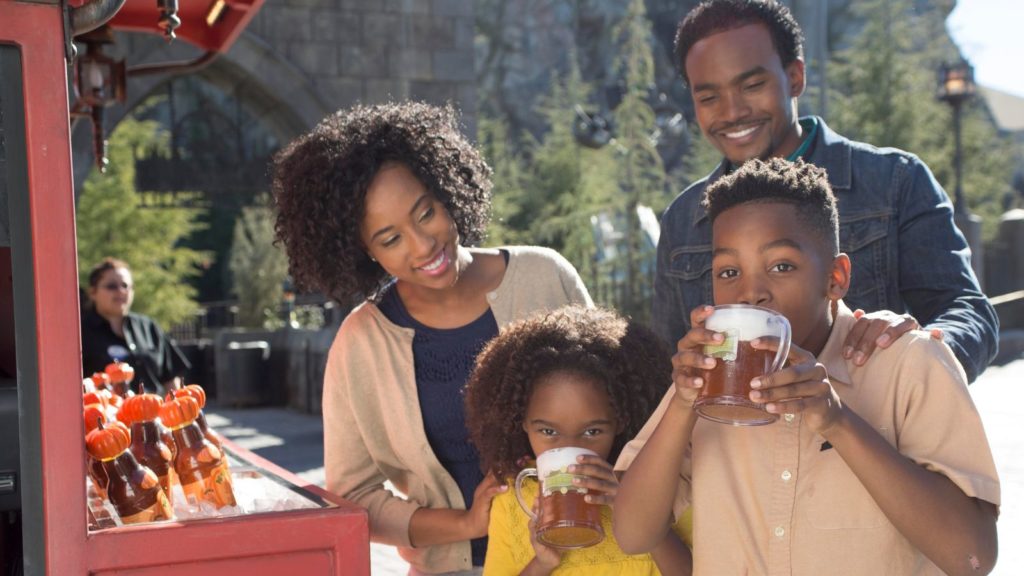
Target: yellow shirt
<point x="509" y="550"/>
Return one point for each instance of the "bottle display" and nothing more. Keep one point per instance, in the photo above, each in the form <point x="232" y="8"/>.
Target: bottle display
<point x="133" y="489"/>
<point x="200" y="464"/>
<point x="141" y="413"/>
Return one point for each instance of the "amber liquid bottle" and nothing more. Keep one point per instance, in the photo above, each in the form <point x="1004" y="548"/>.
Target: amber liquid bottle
<point x="151" y="450"/>
<point x="134" y="491"/>
<point x="98" y="475"/>
<point x="202" y="468"/>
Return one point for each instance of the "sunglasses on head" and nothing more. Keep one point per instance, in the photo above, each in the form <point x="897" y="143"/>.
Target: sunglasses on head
<point x="112" y="286"/>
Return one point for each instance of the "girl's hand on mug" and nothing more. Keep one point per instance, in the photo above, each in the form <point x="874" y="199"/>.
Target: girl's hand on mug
<point x="479" y="515"/>
<point x="597" y="476"/>
<point x="546" y="558"/>
<point x="802" y="387"/>
<point x="689" y="362"/>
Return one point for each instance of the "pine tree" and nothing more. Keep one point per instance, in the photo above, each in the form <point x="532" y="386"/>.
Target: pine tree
<point x="884" y="93"/>
<point x="258" y="267"/>
<point x="111" y="222"/>
<point x="641" y="174"/>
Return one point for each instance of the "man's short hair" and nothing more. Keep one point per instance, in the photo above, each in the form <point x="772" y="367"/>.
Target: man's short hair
<point x="714" y="16"/>
<point x="776" y="180"/>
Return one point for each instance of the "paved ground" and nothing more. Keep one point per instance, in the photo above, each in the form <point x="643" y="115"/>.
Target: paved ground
<point x="295" y="442"/>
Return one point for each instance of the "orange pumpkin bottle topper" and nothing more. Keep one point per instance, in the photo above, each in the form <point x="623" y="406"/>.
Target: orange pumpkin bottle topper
<point x="196" y="391"/>
<point x="133" y="489"/>
<point x="121" y="375"/>
<point x="94" y="415"/>
<point x="200" y="465"/>
<point x="148" y="445"/>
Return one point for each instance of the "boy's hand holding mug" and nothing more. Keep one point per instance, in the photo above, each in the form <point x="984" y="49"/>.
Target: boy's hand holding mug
<point x="802" y="387"/>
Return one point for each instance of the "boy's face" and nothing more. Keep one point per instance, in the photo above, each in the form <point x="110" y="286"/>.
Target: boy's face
<point x="743" y="96"/>
<point x="764" y="255"/>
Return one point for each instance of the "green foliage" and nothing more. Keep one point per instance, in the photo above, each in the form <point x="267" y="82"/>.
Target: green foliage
<point x="640" y="172"/>
<point x="111" y="222"/>
<point x="884" y="93"/>
<point x="550" y="191"/>
<point x="258" y="267"/>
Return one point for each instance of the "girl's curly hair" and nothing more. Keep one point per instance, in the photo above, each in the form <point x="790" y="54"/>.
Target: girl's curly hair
<point x="319" y="183"/>
<point x="629" y="360"/>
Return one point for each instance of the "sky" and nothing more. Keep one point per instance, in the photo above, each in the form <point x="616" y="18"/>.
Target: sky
<point x="989" y="34"/>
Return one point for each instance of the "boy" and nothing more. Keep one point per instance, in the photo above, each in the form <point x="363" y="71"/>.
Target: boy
<point x="880" y="468"/>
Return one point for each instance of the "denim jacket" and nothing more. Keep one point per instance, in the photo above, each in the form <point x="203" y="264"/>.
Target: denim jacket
<point x="895" y="223"/>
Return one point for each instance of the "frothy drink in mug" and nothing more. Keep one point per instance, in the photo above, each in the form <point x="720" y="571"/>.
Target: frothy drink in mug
<point x="726" y="393"/>
<point x="564" y="519"/>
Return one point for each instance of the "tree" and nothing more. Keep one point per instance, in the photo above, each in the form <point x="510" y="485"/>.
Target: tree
<point x="111" y="222"/>
<point x="640" y="173"/>
<point x="885" y="85"/>
<point x="258" y="267"/>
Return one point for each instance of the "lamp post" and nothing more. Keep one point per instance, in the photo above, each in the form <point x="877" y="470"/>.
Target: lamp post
<point x="955" y="87"/>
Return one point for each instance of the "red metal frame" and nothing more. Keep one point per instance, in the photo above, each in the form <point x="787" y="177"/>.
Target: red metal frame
<point x="38" y="30"/>
<point x="315" y="541"/>
<point x="142" y="15"/>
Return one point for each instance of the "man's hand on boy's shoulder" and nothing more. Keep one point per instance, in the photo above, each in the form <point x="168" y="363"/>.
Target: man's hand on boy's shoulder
<point x="689" y="362"/>
<point x="802" y="387"/>
<point x="878" y="330"/>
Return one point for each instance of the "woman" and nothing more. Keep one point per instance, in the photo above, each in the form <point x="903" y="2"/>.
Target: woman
<point x="383" y="203"/>
<point x="110" y="332"/>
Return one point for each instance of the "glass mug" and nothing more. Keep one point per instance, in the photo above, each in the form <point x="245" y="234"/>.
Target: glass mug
<point x="725" y="396"/>
<point x="564" y="519"/>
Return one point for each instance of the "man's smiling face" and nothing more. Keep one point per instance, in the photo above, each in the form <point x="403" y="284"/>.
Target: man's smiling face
<point x="743" y="96"/>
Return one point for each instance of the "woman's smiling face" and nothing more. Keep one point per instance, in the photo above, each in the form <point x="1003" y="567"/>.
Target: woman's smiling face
<point x="408" y="230"/>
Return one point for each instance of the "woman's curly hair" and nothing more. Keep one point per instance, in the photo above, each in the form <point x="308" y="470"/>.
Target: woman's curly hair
<point x="319" y="183"/>
<point x="630" y="361"/>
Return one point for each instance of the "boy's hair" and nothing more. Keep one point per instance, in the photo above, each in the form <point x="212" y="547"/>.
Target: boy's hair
<point x="714" y="16"/>
<point x="803" y="185"/>
<point x="320" y="180"/>
<point x="627" y="359"/>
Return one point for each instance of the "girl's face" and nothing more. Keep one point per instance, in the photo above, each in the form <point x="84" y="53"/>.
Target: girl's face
<point x="408" y="231"/>
<point x="568" y="408"/>
<point x="113" y="293"/>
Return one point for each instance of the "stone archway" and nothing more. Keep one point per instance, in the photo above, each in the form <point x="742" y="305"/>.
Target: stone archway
<point x="268" y="85"/>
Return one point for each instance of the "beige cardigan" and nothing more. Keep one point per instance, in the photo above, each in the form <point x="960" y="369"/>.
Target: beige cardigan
<point x="373" y="429"/>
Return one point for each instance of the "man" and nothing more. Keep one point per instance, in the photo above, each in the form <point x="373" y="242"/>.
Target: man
<point x="743" y="62"/>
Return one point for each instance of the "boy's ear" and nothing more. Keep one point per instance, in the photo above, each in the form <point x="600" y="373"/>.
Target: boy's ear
<point x="839" y="277"/>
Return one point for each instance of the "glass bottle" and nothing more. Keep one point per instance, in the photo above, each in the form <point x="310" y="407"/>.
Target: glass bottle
<point x="201" y="466"/>
<point x="133" y="489"/>
<point x="196" y="391"/>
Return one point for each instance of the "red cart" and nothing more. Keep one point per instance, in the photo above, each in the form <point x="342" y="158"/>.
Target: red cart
<point x="42" y="457"/>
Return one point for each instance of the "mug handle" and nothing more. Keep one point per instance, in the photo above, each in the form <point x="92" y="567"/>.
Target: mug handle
<point x="785" y="337"/>
<point x="519" y="490"/>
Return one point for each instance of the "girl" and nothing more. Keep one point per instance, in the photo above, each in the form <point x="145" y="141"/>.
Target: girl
<point x="383" y="204"/>
<point x="574" y="377"/>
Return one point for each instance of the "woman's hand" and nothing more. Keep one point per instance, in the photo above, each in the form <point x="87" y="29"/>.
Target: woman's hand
<point x="479" y="515"/>
<point x="597" y="476"/>
<point x="689" y="362"/>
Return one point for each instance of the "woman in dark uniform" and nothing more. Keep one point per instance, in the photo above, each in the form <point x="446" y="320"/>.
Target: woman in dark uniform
<point x="110" y="332"/>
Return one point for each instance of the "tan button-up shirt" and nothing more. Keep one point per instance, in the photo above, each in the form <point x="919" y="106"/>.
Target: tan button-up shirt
<point x="778" y="500"/>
